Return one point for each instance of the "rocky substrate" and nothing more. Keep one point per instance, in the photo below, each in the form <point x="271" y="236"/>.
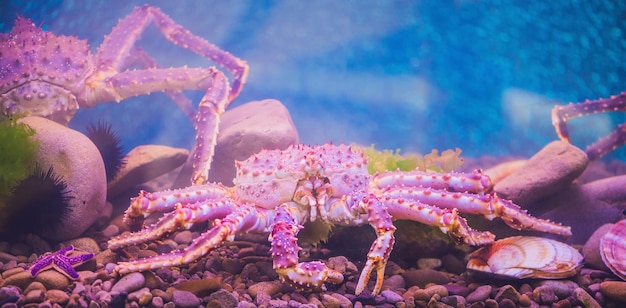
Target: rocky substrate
<point x="240" y="274"/>
<point x="425" y="270"/>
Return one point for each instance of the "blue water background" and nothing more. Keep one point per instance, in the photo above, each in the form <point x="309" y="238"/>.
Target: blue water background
<point x="478" y="75"/>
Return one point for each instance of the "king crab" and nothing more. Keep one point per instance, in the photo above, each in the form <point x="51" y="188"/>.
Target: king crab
<point x="50" y="75"/>
<point x="617" y="138"/>
<point x="277" y="191"/>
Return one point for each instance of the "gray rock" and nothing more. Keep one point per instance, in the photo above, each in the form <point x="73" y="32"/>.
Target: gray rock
<point x="330" y="301"/>
<point x="431" y="263"/>
<point x="183" y="237"/>
<point x="57" y="297"/>
<point x="391" y="296"/>
<point x="270" y="288"/>
<point x="586" y="207"/>
<point x="86" y="244"/>
<point x="479" y="294"/>
<point x="226" y="298"/>
<point x="145" y="163"/>
<point x="185" y="299"/>
<point x="549" y="171"/>
<point x="421" y="277"/>
<point x="582" y="296"/>
<point x="74" y="157"/>
<point x="561" y="288"/>
<point x="394" y="282"/>
<point x="507" y="292"/>
<point x="454" y="300"/>
<point x="591" y="250"/>
<point x="129" y="283"/>
<point x="246" y="130"/>
<point x="544" y="295"/>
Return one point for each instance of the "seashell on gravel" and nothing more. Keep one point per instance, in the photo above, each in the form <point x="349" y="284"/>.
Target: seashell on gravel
<point x="527" y="257"/>
<point x="613" y="249"/>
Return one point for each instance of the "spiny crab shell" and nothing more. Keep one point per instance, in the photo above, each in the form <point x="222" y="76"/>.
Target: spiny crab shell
<point x="42" y="70"/>
<point x="527" y="257"/>
<point x="613" y="249"/>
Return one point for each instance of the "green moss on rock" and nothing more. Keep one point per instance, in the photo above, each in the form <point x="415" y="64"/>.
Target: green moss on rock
<point x="17" y="154"/>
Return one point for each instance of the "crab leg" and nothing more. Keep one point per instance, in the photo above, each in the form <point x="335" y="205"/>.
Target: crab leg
<point x="140" y="57"/>
<point x="184" y="216"/>
<point x="486" y="205"/>
<point x="111" y="56"/>
<point x="147" y="203"/>
<point x="246" y="218"/>
<point x="561" y="114"/>
<point x="448" y="220"/>
<point x="475" y="182"/>
<point x="310" y="275"/>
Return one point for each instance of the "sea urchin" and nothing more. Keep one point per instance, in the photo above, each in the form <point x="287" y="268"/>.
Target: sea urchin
<point x="108" y="144"/>
<point x="38" y="203"/>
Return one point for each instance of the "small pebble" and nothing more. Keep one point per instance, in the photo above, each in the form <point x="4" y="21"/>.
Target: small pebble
<point x="431" y="263"/>
<point x="270" y="288"/>
<point x="421" y="277"/>
<point x="233" y="266"/>
<point x="454" y="300"/>
<point x="201" y="287"/>
<point x="330" y="301"/>
<point x="439" y="290"/>
<point x="183" y="237"/>
<point x="141" y="296"/>
<point x="227" y="299"/>
<point x="157" y="301"/>
<point x="278" y="303"/>
<point x="480" y="294"/>
<point x="35" y="285"/>
<point x="57" y="297"/>
<point x="391" y="296"/>
<point x="455" y="289"/>
<point x="343" y="301"/>
<point x="615" y="290"/>
<point x="394" y="282"/>
<point x="129" y="283"/>
<point x="35" y="296"/>
<point x="507" y="292"/>
<point x="582" y="296"/>
<point x="544" y="295"/>
<point x="110" y="231"/>
<point x="262" y="298"/>
<point x="185" y="299"/>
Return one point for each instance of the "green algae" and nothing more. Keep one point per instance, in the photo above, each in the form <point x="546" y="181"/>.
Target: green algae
<point x="17" y="154"/>
<point x="389" y="160"/>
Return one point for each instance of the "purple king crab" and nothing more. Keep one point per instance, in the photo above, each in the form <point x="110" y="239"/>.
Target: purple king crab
<point x="50" y="75"/>
<point x="277" y="191"/>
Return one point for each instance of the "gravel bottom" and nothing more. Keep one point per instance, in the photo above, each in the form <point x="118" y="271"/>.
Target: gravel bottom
<point x="240" y="274"/>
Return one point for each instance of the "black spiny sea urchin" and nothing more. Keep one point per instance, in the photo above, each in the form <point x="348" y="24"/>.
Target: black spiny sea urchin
<point x="108" y="143"/>
<point x="38" y="203"/>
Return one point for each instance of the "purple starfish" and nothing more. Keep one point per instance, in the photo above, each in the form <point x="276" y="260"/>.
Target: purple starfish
<point x="60" y="261"/>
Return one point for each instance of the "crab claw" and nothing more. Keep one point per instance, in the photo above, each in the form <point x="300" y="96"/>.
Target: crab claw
<point x="309" y="275"/>
<point x="376" y="259"/>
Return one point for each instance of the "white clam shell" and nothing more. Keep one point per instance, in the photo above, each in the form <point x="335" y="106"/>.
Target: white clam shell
<point x="527" y="257"/>
<point x="613" y="249"/>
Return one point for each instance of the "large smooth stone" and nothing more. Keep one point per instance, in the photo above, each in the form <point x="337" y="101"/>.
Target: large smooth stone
<point x="584" y="207"/>
<point x="74" y="157"/>
<point x="245" y="130"/>
<point x="145" y="163"/>
<point x="549" y="171"/>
